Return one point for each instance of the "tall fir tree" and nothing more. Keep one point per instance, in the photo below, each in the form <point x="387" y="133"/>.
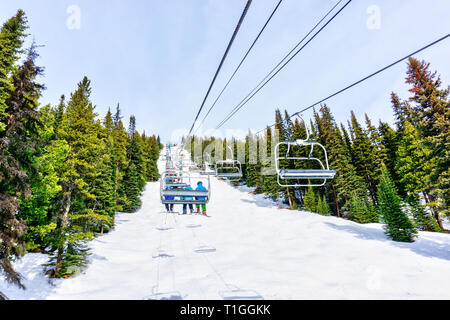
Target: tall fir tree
<point x="431" y="114"/>
<point x="80" y="132"/>
<point x="363" y="157"/>
<point x="18" y="143"/>
<point x="398" y="227"/>
<point x="134" y="178"/>
<point x="12" y="36"/>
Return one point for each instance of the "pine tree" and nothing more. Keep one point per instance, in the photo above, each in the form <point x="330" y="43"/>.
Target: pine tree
<point x="134" y="178"/>
<point x="390" y="140"/>
<point x="362" y="210"/>
<point x="17" y="145"/>
<point x="102" y="184"/>
<point x="378" y="157"/>
<point x="119" y="152"/>
<point x="363" y="157"/>
<point x="252" y="161"/>
<point x="398" y="226"/>
<point x="346" y="182"/>
<point x="117" y="116"/>
<point x="38" y="209"/>
<point x="152" y="151"/>
<point x="76" y="217"/>
<point x="310" y="201"/>
<point x="412" y="164"/>
<point x="322" y="206"/>
<point x="431" y="116"/>
<point x="421" y="217"/>
<point x="12" y="35"/>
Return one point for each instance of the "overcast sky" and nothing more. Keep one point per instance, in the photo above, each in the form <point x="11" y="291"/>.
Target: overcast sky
<point x="157" y="57"/>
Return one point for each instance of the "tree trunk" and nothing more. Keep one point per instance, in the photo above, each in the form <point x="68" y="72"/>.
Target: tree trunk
<point x="63" y="221"/>
<point x="338" y="210"/>
<point x="279" y="200"/>
<point x="116" y="193"/>
<point x="434" y="212"/>
<point x="291" y="205"/>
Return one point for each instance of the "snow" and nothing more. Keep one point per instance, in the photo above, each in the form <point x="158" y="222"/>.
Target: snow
<point x="248" y="248"/>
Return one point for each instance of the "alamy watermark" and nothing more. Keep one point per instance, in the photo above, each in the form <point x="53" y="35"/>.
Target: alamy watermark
<point x="373" y="21"/>
<point x="73" y="21"/>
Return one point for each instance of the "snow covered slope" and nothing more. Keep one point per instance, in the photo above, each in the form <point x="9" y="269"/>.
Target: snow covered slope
<point x="247" y="249"/>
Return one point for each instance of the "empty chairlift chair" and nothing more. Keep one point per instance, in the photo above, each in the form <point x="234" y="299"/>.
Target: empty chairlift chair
<point x="229" y="169"/>
<point x="298" y="177"/>
<point x="206" y="166"/>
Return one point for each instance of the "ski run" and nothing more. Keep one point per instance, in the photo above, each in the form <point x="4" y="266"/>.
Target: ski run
<point x="246" y="249"/>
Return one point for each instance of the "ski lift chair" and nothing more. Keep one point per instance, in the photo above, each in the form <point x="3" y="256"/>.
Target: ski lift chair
<point x="322" y="172"/>
<point x="206" y="166"/>
<point x="229" y="169"/>
<point x="178" y="193"/>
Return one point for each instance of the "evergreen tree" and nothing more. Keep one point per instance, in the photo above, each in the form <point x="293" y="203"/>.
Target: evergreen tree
<point x="390" y="140"/>
<point x="414" y="165"/>
<point x="80" y="132"/>
<point x="117" y="116"/>
<point x="431" y="116"/>
<point x="310" y="201"/>
<point x="12" y="35"/>
<point x="398" y="226"/>
<point x="102" y="184"/>
<point x="362" y="210"/>
<point x="421" y="216"/>
<point x="38" y="209"/>
<point x="346" y="181"/>
<point x="253" y="166"/>
<point x="363" y="156"/>
<point x="134" y="178"/>
<point x="322" y="206"/>
<point x="58" y="113"/>
<point x="119" y="155"/>
<point x="17" y="146"/>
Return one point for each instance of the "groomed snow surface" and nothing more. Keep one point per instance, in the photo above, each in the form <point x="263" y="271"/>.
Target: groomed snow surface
<point x="249" y="249"/>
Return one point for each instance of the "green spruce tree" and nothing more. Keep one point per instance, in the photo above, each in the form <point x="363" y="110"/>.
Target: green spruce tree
<point x="398" y="226"/>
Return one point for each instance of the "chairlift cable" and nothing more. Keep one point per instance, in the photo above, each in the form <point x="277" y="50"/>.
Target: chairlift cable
<point x="244" y="13"/>
<point x="240" y="64"/>
<point x="264" y="82"/>
<point x="364" y="79"/>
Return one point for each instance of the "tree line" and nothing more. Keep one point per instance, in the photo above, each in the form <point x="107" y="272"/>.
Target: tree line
<point x="64" y="172"/>
<point x="397" y="175"/>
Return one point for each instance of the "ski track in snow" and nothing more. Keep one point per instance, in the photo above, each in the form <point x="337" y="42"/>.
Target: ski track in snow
<point x="247" y="244"/>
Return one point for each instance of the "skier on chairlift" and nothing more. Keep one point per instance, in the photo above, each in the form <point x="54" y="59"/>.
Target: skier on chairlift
<point x="191" y="207"/>
<point x="169" y="206"/>
<point x="202" y="188"/>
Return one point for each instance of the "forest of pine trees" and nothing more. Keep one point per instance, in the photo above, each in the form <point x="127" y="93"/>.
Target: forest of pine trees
<point x="394" y="175"/>
<point x="64" y="172"/>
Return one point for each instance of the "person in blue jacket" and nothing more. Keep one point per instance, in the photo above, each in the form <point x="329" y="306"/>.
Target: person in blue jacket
<point x="201" y="187"/>
<point x="169" y="206"/>
<point x="191" y="207"/>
